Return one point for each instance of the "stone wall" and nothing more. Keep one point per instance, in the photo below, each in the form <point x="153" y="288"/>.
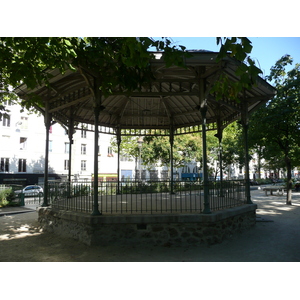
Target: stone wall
<point x="155" y="229"/>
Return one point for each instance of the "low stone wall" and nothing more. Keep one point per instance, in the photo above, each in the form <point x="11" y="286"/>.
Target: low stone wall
<point x="155" y="229"/>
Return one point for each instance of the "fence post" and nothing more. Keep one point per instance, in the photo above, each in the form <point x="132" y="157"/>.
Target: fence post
<point x="22" y="196"/>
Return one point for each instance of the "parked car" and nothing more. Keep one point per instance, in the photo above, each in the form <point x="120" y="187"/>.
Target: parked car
<point x="31" y="190"/>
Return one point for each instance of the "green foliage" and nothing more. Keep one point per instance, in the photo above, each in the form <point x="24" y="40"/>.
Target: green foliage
<point x="238" y="48"/>
<point x="81" y="190"/>
<point x="153" y="187"/>
<point x="158" y="187"/>
<point x="156" y="150"/>
<point x="233" y="145"/>
<point x="275" y="127"/>
<point x="24" y="60"/>
<point x="121" y="62"/>
<point x="116" y="61"/>
<point x="263" y="181"/>
<point x="187" y="148"/>
<point x="6" y="197"/>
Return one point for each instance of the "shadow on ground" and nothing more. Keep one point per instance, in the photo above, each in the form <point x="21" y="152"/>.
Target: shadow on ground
<point x="275" y="237"/>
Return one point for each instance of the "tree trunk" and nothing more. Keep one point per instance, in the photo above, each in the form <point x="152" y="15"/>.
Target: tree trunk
<point x="289" y="181"/>
<point x="259" y="164"/>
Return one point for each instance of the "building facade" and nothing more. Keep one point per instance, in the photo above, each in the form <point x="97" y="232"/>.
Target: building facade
<point x="22" y="150"/>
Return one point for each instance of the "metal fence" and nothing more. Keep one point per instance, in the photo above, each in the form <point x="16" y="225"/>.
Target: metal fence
<point x="148" y="197"/>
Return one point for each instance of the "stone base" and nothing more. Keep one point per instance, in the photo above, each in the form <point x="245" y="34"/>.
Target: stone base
<point x="155" y="229"/>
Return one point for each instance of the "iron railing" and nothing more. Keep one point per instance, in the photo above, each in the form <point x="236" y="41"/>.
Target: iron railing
<point x="148" y="197"/>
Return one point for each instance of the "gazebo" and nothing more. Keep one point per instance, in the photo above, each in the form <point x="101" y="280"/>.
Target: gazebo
<point x="177" y="101"/>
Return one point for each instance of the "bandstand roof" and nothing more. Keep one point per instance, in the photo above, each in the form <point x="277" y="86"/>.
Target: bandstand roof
<point x="171" y="99"/>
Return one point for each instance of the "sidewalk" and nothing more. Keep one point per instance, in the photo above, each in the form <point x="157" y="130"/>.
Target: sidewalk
<point x="274" y="238"/>
<point x="6" y="211"/>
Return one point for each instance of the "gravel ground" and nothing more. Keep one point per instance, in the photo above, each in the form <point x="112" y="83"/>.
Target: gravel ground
<point x="275" y="238"/>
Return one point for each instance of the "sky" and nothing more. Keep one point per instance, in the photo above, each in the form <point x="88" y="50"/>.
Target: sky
<point x="266" y="50"/>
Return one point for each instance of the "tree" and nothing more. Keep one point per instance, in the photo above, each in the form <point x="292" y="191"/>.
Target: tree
<point x="232" y="146"/>
<point x="280" y="135"/>
<point x="239" y="49"/>
<point x="122" y="61"/>
<point x="156" y="149"/>
<point x="28" y="60"/>
<point x="187" y="148"/>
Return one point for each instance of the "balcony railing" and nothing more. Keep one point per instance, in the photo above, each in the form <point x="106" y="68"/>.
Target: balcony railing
<point x="148" y="197"/>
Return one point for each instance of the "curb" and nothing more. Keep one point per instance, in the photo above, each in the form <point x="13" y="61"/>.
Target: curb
<point x="15" y="212"/>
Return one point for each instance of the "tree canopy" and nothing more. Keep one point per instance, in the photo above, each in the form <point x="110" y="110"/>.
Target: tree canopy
<point x="122" y="61"/>
<point x="187" y="148"/>
<point x="275" y="127"/>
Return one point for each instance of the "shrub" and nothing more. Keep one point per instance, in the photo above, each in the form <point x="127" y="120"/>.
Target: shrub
<point x="6" y="197"/>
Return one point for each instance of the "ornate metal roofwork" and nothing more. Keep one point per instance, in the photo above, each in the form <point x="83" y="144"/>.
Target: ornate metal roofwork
<point x="170" y="101"/>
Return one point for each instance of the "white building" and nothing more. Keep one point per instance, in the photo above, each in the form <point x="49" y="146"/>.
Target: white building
<point x="22" y="148"/>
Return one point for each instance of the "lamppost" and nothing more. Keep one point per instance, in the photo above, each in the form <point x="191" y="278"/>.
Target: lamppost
<point x="140" y="142"/>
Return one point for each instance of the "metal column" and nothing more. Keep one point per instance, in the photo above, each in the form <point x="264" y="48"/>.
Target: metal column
<point x="219" y="135"/>
<point x="244" y="122"/>
<point x="203" y="111"/>
<point x="97" y="110"/>
<point x="70" y="135"/>
<point x="119" y="148"/>
<point x="47" y="120"/>
<point x="171" y="160"/>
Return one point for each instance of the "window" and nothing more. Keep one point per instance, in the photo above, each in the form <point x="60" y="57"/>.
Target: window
<point x="196" y="169"/>
<point x="23" y="143"/>
<point x="66" y="164"/>
<point x="83" y="133"/>
<point x="67" y="147"/>
<point x="22" y="165"/>
<point x="83" y="149"/>
<point x="6" y="121"/>
<point x="83" y="165"/>
<point x="109" y="151"/>
<point x="164" y="174"/>
<point x="186" y="169"/>
<point x="153" y="175"/>
<point x="24" y="123"/>
<point x="125" y="157"/>
<point x="6" y="143"/>
<point x="4" y="165"/>
<point x="7" y="102"/>
<point x="50" y="146"/>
